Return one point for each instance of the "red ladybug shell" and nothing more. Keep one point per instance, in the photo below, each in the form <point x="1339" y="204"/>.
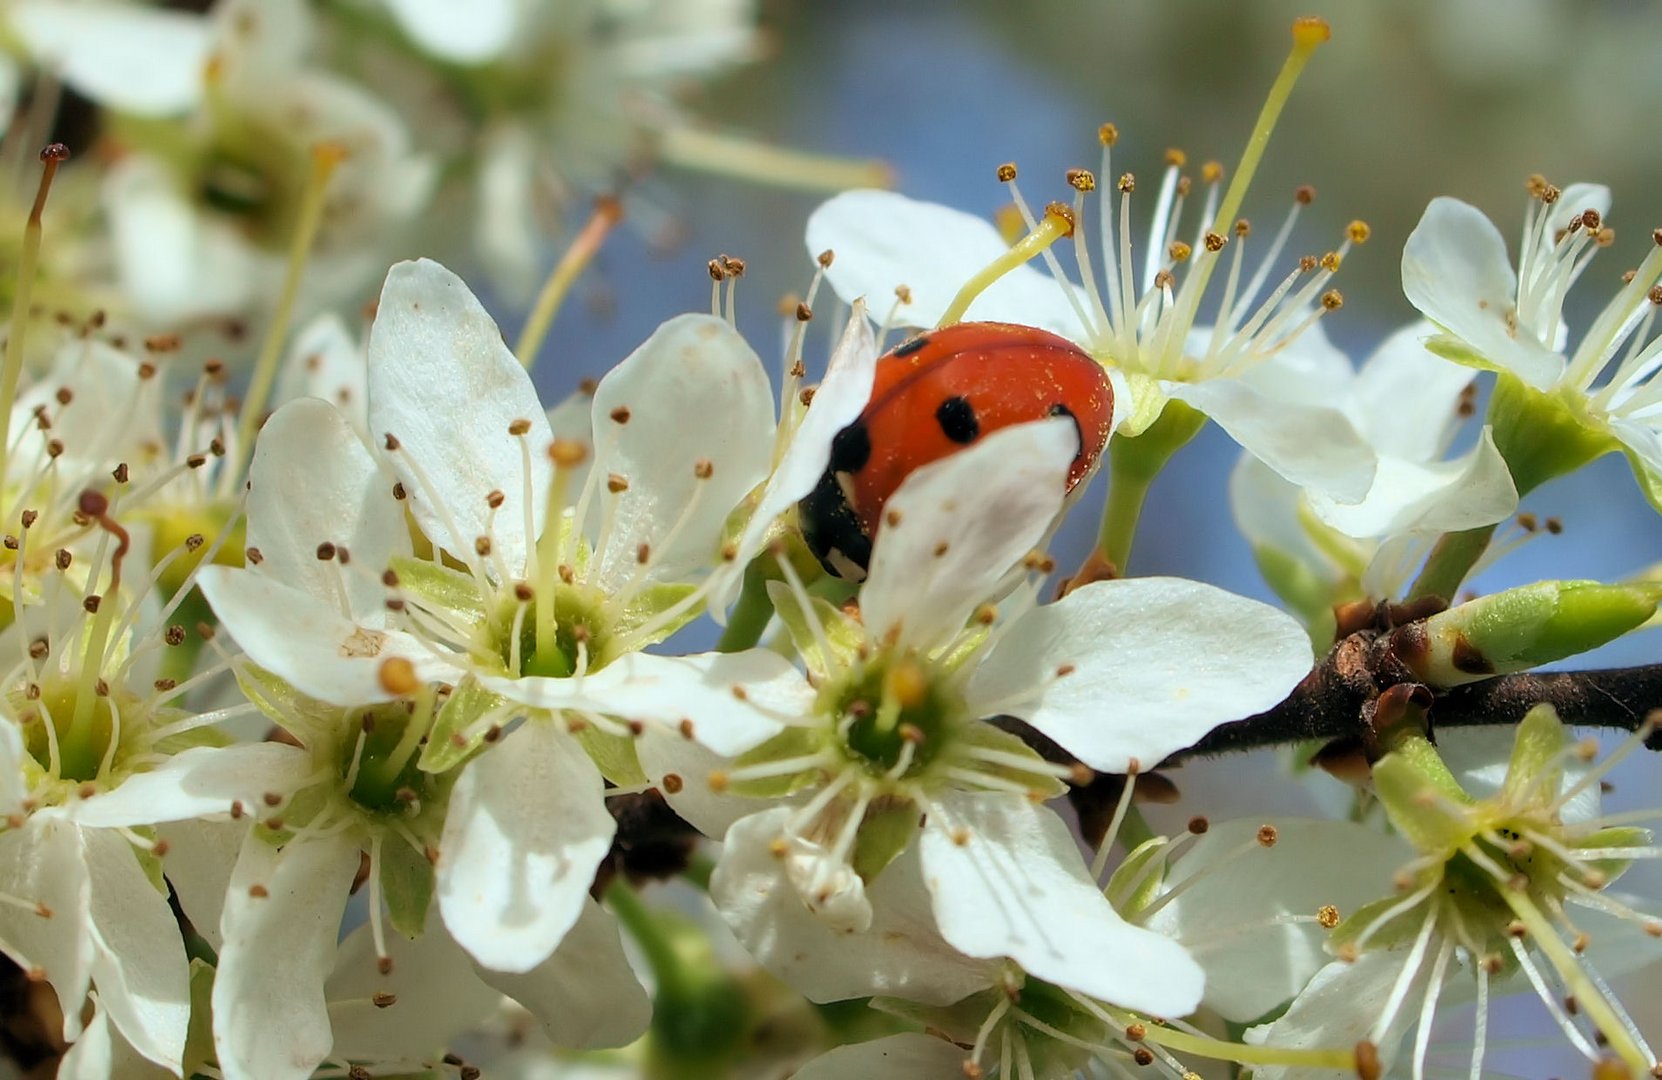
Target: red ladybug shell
<point x="932" y="396"/>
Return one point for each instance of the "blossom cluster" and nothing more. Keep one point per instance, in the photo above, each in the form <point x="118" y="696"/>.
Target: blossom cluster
<point x="351" y="726"/>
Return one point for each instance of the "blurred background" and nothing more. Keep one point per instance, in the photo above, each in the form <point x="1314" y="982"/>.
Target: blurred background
<point x="1409" y="100"/>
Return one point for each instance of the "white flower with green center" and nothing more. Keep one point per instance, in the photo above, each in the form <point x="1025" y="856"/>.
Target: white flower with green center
<point x="1246" y="370"/>
<point x="95" y="744"/>
<point x="1514" y="885"/>
<point x="1409" y="405"/>
<point x="1554" y="409"/>
<point x="1249" y="902"/>
<point x="220" y="130"/>
<point x="523" y="610"/>
<point x="1121" y="673"/>
<point x="351" y="788"/>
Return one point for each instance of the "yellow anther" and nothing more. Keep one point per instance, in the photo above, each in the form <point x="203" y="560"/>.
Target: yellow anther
<point x="1358" y="231"/>
<point x="1108" y="134"/>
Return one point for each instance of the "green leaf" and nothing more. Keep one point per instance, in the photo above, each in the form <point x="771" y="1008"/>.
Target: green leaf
<point x="406" y="885"/>
<point x="457" y="732"/>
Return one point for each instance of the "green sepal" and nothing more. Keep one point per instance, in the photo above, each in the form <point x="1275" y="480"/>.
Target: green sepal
<point x="790" y="743"/>
<point x="406" y="886"/>
<point x="959" y="1021"/>
<point x="987" y="737"/>
<point x="1617" y="836"/>
<point x="1141" y="447"/>
<point x="613" y="755"/>
<point x="1422" y="799"/>
<point x="307" y="719"/>
<point x="883" y="835"/>
<point x="1125" y="891"/>
<point x="1544" y="434"/>
<point x="439" y="586"/>
<point x="1306" y="593"/>
<point x="199" y="1037"/>
<point x="1537" y="763"/>
<point x="1650" y="483"/>
<point x="467" y="703"/>
<point x="190" y="739"/>
<point x="1398" y="932"/>
<point x="842" y="635"/>
<point x="1452" y="348"/>
<point x="1148" y="401"/>
<point x="647" y="604"/>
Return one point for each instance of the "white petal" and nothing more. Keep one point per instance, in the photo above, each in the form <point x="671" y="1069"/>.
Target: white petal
<point x="507" y="236"/>
<point x="1455" y="270"/>
<point x="472" y="34"/>
<point x="14" y="784"/>
<point x="901" y="954"/>
<point x="1008" y="880"/>
<point x="911" y="1055"/>
<point x="312" y="481"/>
<point x="526" y="828"/>
<point x="734" y="700"/>
<point x="123" y="56"/>
<point x="1406" y="398"/>
<point x="44" y="862"/>
<point x="327" y="362"/>
<point x="1478" y="757"/>
<point x="573" y="418"/>
<point x="662" y="753"/>
<point x="174" y="264"/>
<point x="1156" y="664"/>
<point x="438" y="995"/>
<point x="443" y="382"/>
<point x="89" y="1057"/>
<point x="1310" y="370"/>
<point x="196" y="782"/>
<point x="694" y="393"/>
<point x="1442" y="496"/>
<point x="200" y="858"/>
<point x="1338" y="1009"/>
<point x="585" y="995"/>
<point x="883" y="240"/>
<point x="106" y="418"/>
<point x="839" y="399"/>
<point x="270" y="1018"/>
<point x="305" y="642"/>
<point x="139" y="963"/>
<point x="1229" y="915"/>
<point x="1266" y="509"/>
<point x="956" y="526"/>
<point x="1314" y="446"/>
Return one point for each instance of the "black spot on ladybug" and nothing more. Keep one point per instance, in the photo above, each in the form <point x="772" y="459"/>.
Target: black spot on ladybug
<point x="907" y="348"/>
<point x="830" y="526"/>
<point x="957" y="419"/>
<point x="851" y="448"/>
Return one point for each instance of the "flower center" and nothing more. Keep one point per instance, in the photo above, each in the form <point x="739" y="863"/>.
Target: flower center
<point x="894" y="716"/>
<point x="381" y="767"/>
<point x="82" y="743"/>
<point x="581" y="640"/>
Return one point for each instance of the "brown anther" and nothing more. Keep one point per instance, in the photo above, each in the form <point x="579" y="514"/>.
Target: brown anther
<point x="617" y="483"/>
<point x="1142" y="1055"/>
<point x="985" y="615"/>
<point x="383" y="964"/>
<point x="1517" y="929"/>
<point x="804" y="313"/>
<point x="160" y="343"/>
<point x="1214" y="242"/>
<point x="29" y="517"/>
<point x="101" y="688"/>
<point x="717" y="273"/>
<point x="1307" y="263"/>
<point x="1082" y="180"/>
<point x="1327" y="916"/>
<point x="325" y="551"/>
<point x="1550" y="194"/>
<point x="54" y="448"/>
<point x="1304" y="195"/>
<point x="1199" y="825"/>
<point x="62" y="558"/>
<point x="1061" y="212"/>
<point x="87" y="790"/>
<point x="672" y="783"/>
<point x="1333" y="300"/>
<point x="903" y="293"/>
<point x="566" y="572"/>
<point x="523" y="592"/>
<point x="495" y="499"/>
<point x="1267" y="835"/>
<point x="1590" y="220"/>
<point x="121" y="473"/>
<point x="1127" y="183"/>
<point x="826" y="258"/>
<point x="734" y="265"/>
<point x="237" y="810"/>
<point x="942" y="548"/>
<point x="519" y="427"/>
<point x="1555" y="525"/>
<point x="482" y="546"/>
<point x="1655" y="295"/>
<point x="398" y="492"/>
<point x="806" y="396"/>
<point x="90" y="604"/>
<point x="1163" y="279"/>
<point x="643" y="553"/>
<point x="891" y="518"/>
<point x="39" y="649"/>
<point x="258" y="891"/>
<point x="383" y="998"/>
<point x="196" y="461"/>
<point x="704" y="468"/>
<point x="1006" y="172"/>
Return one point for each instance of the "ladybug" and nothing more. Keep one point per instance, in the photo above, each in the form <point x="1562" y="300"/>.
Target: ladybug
<point x="934" y="395"/>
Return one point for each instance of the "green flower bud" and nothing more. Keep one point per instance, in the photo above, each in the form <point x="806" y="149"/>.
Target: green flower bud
<point x="1522" y="628"/>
